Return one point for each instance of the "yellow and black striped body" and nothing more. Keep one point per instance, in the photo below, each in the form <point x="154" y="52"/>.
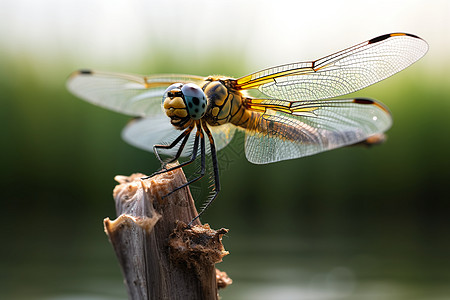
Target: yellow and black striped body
<point x="226" y="104"/>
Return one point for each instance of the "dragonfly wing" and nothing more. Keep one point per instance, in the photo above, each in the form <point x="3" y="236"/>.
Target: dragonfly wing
<point x="313" y="127"/>
<point x="129" y="94"/>
<point x="222" y="134"/>
<point x="144" y="133"/>
<point x="340" y="73"/>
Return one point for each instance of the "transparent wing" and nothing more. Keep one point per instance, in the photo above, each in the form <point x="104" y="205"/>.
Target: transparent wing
<point x="125" y="93"/>
<point x="288" y="130"/>
<point x="340" y="73"/>
<point x="222" y="134"/>
<point x="146" y="132"/>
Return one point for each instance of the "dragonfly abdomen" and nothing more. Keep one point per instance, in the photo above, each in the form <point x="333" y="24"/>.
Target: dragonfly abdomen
<point x="282" y="128"/>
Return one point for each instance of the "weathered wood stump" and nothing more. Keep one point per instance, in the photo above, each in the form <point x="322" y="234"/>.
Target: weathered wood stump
<point x="160" y="257"/>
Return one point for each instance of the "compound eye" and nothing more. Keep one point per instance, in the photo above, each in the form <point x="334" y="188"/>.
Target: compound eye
<point x="174" y="90"/>
<point x="195" y="100"/>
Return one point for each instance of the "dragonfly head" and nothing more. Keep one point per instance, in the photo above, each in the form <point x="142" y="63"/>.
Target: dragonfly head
<point x="182" y="102"/>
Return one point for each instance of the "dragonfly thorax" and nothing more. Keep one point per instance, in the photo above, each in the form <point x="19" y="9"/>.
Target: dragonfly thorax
<point x="225" y="104"/>
<point x="183" y="102"/>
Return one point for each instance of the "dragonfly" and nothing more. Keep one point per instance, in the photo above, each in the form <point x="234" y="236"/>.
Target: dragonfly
<point x="286" y="112"/>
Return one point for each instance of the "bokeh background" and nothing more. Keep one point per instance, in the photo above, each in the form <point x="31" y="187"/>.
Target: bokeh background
<point x="353" y="223"/>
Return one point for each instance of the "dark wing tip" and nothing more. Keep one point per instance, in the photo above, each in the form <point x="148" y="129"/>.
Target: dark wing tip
<point x="80" y="72"/>
<point x="386" y="36"/>
<point x="363" y="101"/>
<point x="379" y="38"/>
<point x="85" y="72"/>
<point x="367" y="101"/>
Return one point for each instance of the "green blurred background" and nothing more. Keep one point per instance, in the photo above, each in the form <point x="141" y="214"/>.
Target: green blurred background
<point x="353" y="223"/>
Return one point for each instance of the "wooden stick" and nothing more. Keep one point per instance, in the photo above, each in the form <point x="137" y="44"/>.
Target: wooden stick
<point x="160" y="257"/>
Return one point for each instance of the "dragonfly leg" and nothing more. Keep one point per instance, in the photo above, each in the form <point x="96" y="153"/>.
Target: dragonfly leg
<point x="216" y="174"/>
<point x="185" y="134"/>
<point x="193" y="157"/>
<point x="202" y="167"/>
